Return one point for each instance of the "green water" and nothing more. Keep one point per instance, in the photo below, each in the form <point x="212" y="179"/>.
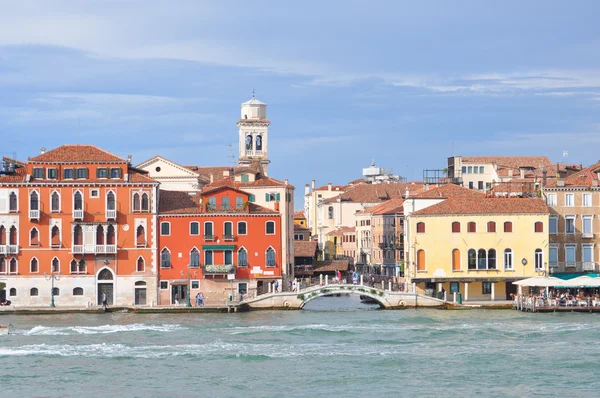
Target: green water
<point x="337" y="348"/>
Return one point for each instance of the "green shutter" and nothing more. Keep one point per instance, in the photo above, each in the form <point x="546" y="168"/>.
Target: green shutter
<point x="277" y="197"/>
<point x="87" y="175"/>
<point x="251" y="198"/>
<point x="244" y="177"/>
<point x="267" y="197"/>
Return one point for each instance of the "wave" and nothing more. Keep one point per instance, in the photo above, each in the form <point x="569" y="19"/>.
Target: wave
<point x="104" y="329"/>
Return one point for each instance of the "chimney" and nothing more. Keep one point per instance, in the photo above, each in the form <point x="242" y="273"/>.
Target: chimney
<point x="329" y="186"/>
<point x="285" y="181"/>
<point x="560" y="182"/>
<point x="225" y="173"/>
<point x="306" y="189"/>
<point x="276" y="206"/>
<point x="211" y="178"/>
<point x="406" y="194"/>
<point x="595" y="183"/>
<point x="128" y="158"/>
<point x="522" y="170"/>
<point x="544" y="176"/>
<point x="43" y="150"/>
<point x="313" y="184"/>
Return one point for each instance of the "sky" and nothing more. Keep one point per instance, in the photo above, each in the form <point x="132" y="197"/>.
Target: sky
<point x="404" y="83"/>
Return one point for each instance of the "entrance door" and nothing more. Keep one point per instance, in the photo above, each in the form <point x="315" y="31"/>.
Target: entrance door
<point x="140" y="296"/>
<point x="510" y="288"/>
<point x="108" y="289"/>
<point x="259" y="287"/>
<point x="178" y="292"/>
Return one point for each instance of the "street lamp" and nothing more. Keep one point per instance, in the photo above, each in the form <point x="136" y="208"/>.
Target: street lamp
<point x="52" y="277"/>
<point x="189" y="278"/>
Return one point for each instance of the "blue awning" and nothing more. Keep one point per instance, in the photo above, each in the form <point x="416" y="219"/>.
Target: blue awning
<point x="574" y="275"/>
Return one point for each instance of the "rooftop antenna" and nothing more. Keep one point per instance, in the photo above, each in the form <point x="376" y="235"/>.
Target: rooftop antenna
<point x="253" y="92"/>
<point x="231" y="158"/>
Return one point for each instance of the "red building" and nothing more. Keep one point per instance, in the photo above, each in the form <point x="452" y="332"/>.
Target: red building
<point x="217" y="242"/>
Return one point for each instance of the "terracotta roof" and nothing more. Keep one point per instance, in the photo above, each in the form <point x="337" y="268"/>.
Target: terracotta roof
<point x="373" y="193"/>
<point x="357" y="181"/>
<point x="298" y="227"/>
<point x="261" y="181"/>
<point x="299" y="215"/>
<point x="334" y="266"/>
<point x="510" y="161"/>
<point x="15" y="161"/>
<point x="19" y="176"/>
<point x="305" y="248"/>
<point x="486" y="206"/>
<point x="207" y="171"/>
<point x="392" y="206"/>
<point x="341" y="231"/>
<point x="178" y="202"/>
<point x="333" y="188"/>
<point x="582" y="178"/>
<point x="448" y="191"/>
<point x="140" y="177"/>
<point x="75" y="153"/>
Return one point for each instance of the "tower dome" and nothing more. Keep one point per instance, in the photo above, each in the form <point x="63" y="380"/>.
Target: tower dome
<point x="253" y="109"/>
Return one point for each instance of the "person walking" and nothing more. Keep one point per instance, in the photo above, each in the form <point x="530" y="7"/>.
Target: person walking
<point x="276" y="286"/>
<point x="104" y="300"/>
<point x="201" y="298"/>
<point x="176" y="298"/>
<point x="198" y="300"/>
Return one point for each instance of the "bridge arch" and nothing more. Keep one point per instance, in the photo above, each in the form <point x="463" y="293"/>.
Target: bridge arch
<point x="377" y="295"/>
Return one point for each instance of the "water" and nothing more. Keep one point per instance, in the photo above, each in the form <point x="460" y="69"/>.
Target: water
<point x="337" y="348"/>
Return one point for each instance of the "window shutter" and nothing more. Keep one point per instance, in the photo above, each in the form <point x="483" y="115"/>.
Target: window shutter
<point x="251" y="198"/>
<point x="4" y="201"/>
<point x="86" y="173"/>
<point x="97" y="173"/>
<point x="277" y="197"/>
<point x="267" y="197"/>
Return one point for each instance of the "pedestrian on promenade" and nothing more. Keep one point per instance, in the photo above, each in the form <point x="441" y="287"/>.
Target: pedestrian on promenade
<point x="176" y="298"/>
<point x="276" y="286"/>
<point x="198" y="300"/>
<point x="201" y="299"/>
<point x="104" y="300"/>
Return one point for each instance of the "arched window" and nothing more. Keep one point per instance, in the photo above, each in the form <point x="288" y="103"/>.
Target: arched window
<point x="165" y="258"/>
<point x="140" y="264"/>
<point x="194" y="258"/>
<point x="194" y="228"/>
<point x="12" y="236"/>
<point x="105" y="275"/>
<point x="55" y="237"/>
<point x="259" y="142"/>
<point x="136" y="202"/>
<point x="270" y="226"/>
<point x="208" y="231"/>
<point x="12" y="292"/>
<point x="78" y="201"/>
<point x="110" y="235"/>
<point x="55" y="265"/>
<point x="455" y="260"/>
<point x="539" y="226"/>
<point x="34" y="237"/>
<point x="242" y="257"/>
<point x="34" y="266"/>
<point x="248" y="143"/>
<point x="225" y="203"/>
<point x="145" y="202"/>
<point x="78" y="291"/>
<point x="491" y="226"/>
<point x="100" y="235"/>
<point x="472" y="259"/>
<point x="111" y="203"/>
<point x="77" y="235"/>
<point x="74" y="267"/>
<point x="270" y="257"/>
<point x="242" y="228"/>
<point x="55" y="202"/>
<point x="13" y="269"/>
<point x="13" y="202"/>
<point x="508" y="259"/>
<point x="34" y="201"/>
<point x="471" y="227"/>
<point x="208" y="257"/>
<point x="420" y="227"/>
<point x="33" y="291"/>
<point x="330" y="212"/>
<point x="492" y="259"/>
<point x="456" y="227"/>
<point x="539" y="259"/>
<point x="56" y="291"/>
<point x="2" y="235"/>
<point x="421" y="260"/>
<point x="481" y="259"/>
<point x="140" y="236"/>
<point x="508" y="226"/>
<point x="140" y="283"/>
<point x="2" y="265"/>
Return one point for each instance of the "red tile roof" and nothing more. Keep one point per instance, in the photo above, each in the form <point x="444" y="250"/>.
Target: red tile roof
<point x="138" y="176"/>
<point x="475" y="205"/>
<point x="75" y="153"/>
<point x="177" y="202"/>
<point x="341" y="231"/>
<point x="582" y="178"/>
<point x="299" y="215"/>
<point x="373" y="193"/>
<point x="392" y="206"/>
<point x="510" y="161"/>
<point x="298" y="227"/>
<point x="334" y="266"/>
<point x="19" y="176"/>
<point x="449" y="191"/>
<point x="261" y="181"/>
<point x="357" y="181"/>
<point x="333" y="188"/>
<point x="305" y="248"/>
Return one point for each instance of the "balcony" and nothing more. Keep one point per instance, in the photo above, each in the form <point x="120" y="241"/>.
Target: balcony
<point x="111" y="214"/>
<point x="94" y="249"/>
<point x="55" y="245"/>
<point x="34" y="214"/>
<point x="558" y="268"/>
<point x="77" y="214"/>
<point x="3" y="249"/>
<point x="12" y="249"/>
<point x="228" y="238"/>
<point x="587" y="235"/>
<point x="209" y="238"/>
<point x="218" y="269"/>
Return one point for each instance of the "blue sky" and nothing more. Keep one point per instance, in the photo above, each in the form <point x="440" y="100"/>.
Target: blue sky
<point x="345" y="81"/>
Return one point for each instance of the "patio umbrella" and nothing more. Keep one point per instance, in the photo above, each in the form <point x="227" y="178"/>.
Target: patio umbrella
<point x="540" y="281"/>
<point x="581" y="281"/>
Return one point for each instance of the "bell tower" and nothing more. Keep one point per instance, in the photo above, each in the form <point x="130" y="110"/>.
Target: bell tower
<point x="254" y="134"/>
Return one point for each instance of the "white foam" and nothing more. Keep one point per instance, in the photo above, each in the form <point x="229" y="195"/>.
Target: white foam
<point x="70" y="330"/>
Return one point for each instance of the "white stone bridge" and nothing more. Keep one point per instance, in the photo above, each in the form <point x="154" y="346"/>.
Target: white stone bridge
<point x="297" y="300"/>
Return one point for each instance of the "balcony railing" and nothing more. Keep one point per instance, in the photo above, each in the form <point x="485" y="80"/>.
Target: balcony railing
<point x="94" y="249"/>
<point x="587" y="235"/>
<point x="209" y="237"/>
<point x="55" y="245"/>
<point x="77" y="214"/>
<point x="111" y="214"/>
<point x="228" y="237"/>
<point x="34" y="214"/>
<point x="562" y="267"/>
<point x="3" y="249"/>
<point x="13" y="249"/>
<point x="218" y="269"/>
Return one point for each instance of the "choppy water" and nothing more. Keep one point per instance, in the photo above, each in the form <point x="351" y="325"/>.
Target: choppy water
<point x="340" y="348"/>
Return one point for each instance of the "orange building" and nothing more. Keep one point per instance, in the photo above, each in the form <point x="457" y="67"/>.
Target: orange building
<point x="217" y="242"/>
<point x="83" y="215"/>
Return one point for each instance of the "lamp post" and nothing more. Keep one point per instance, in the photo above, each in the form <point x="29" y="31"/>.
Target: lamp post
<point x="189" y="286"/>
<point x="52" y="277"/>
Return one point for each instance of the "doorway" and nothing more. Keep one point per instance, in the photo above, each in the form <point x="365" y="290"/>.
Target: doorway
<point x="510" y="289"/>
<point x="105" y="288"/>
<point x="178" y="292"/>
<point x="140" y="296"/>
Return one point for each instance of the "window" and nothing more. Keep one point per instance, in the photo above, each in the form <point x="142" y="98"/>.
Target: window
<point x="55" y="265"/>
<point x="68" y="174"/>
<point x="455" y="227"/>
<point x="272" y="197"/>
<point x="470" y="169"/>
<point x="55" y="202"/>
<point x="455" y="260"/>
<point x="56" y="291"/>
<point x="551" y="199"/>
<point x="242" y="228"/>
<point x="164" y="285"/>
<point x="52" y="174"/>
<point x="136" y="202"/>
<point x="587" y="225"/>
<point x="78" y="267"/>
<point x="538" y="226"/>
<point x="225" y="203"/>
<point x="464" y="169"/>
<point x="77" y="201"/>
<point x="82" y="173"/>
<point x="480" y="185"/>
<point x="194" y="228"/>
<point x="194" y="258"/>
<point x="588" y="253"/>
<point x="470" y="184"/>
<point x="270" y="257"/>
<point x="587" y="200"/>
<point x="145" y="202"/>
<point x="165" y="229"/>
<point x="228" y="230"/>
<point x="538" y="257"/>
<point x="140" y="236"/>
<point x="270" y="227"/>
<point x="508" y="226"/>
<point x="94" y="193"/>
<point x="2" y="265"/>
<point x="242" y="257"/>
<point x="208" y="257"/>
<point x="488" y="186"/>
<point x="454" y="287"/>
<point x="421" y="260"/>
<point x="12" y="235"/>
<point x="420" y="227"/>
<point x="569" y="199"/>
<point x="245" y="178"/>
<point x="475" y="170"/>
<point x="116" y="173"/>
<point x="34" y="266"/>
<point x="165" y="258"/>
<point x="330" y="212"/>
<point x="491" y="259"/>
<point x="13" y="202"/>
<point x="12" y="292"/>
<point x="570" y="254"/>
<point x="481" y="169"/>
<point x="34" y="201"/>
<point x="111" y="203"/>
<point x="212" y="203"/>
<point x="486" y="287"/>
<point x="140" y="266"/>
<point x="208" y="230"/>
<point x="195" y="284"/>
<point x="471" y="227"/>
<point x="481" y="259"/>
<point x="34" y="237"/>
<point x="33" y="291"/>
<point x="570" y="224"/>
<point x="228" y="257"/>
<point x="491" y="226"/>
<point x="553" y="225"/>
<point x="77" y="291"/>
<point x="508" y="259"/>
<point x="239" y="203"/>
<point x="101" y="173"/>
<point x="553" y="254"/>
<point x="251" y="198"/>
<point x="38" y="172"/>
<point x="243" y="288"/>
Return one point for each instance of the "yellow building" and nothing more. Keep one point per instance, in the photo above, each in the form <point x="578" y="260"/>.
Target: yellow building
<point x="477" y="246"/>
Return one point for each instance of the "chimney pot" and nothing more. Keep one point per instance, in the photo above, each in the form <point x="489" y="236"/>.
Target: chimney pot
<point x="329" y="186"/>
<point x="286" y="181"/>
<point x="43" y="150"/>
